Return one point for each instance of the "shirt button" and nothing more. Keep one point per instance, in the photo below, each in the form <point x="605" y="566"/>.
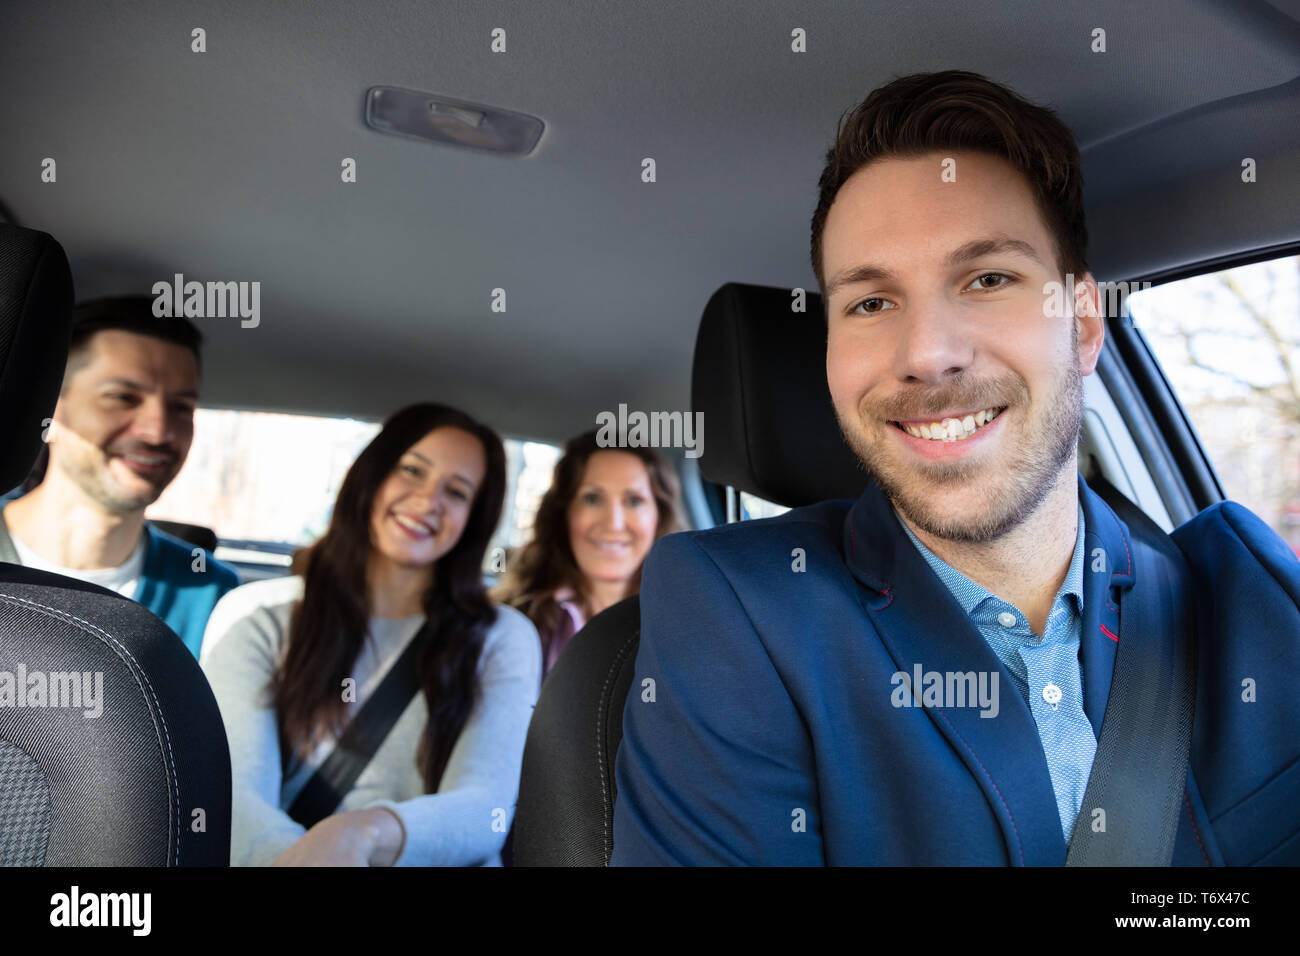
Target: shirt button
<point x="1052" y="694"/>
<point x="1007" y="619"/>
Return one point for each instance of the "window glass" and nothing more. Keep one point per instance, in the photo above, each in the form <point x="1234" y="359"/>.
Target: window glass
<point x="529" y="465"/>
<point x="752" y="506"/>
<point x="259" y="476"/>
<point x="1229" y="342"/>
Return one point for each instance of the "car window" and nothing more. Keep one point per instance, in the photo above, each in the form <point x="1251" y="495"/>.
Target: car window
<point x="753" y="506"/>
<point x="529" y="465"/>
<point x="1229" y="343"/>
<point x="260" y="476"/>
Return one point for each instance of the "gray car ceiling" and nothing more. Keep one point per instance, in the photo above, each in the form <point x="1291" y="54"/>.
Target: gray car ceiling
<point x="225" y="165"/>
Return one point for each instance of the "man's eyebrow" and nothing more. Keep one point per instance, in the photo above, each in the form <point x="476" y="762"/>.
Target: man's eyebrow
<point x="124" y="382"/>
<point x="974" y="249"/>
<point x="992" y="245"/>
<point x="864" y="273"/>
<point x="138" y="387"/>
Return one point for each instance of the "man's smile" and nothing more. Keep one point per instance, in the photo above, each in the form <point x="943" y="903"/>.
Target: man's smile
<point x="151" y="466"/>
<point x="951" y="426"/>
<point x="951" y="437"/>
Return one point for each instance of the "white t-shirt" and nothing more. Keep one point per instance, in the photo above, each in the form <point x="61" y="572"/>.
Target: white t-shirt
<point x="124" y="579"/>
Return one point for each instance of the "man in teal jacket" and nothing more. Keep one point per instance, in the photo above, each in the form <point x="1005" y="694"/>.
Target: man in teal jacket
<point x="121" y="432"/>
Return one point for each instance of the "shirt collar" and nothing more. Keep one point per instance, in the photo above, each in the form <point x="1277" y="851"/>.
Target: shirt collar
<point x="971" y="595"/>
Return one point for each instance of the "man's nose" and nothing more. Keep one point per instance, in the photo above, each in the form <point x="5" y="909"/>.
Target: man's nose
<point x="150" y="423"/>
<point x="934" y="346"/>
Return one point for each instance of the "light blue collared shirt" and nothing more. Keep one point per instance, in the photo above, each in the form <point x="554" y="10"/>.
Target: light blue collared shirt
<point x="1041" y="667"/>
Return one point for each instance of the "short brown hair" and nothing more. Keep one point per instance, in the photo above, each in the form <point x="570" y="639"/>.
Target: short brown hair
<point x="125" y="313"/>
<point x="959" y="110"/>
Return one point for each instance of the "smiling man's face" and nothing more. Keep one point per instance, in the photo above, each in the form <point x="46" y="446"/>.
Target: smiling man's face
<point x="125" y="419"/>
<point x="935" y="309"/>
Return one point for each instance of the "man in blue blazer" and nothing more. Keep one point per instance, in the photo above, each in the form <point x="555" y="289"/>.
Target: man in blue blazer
<point x="921" y="676"/>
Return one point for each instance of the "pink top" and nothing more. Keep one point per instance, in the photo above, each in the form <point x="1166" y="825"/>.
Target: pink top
<point x="568" y="600"/>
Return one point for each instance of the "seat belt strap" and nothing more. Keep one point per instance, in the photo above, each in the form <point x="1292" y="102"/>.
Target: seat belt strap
<point x="1140" y="769"/>
<point x="361" y="739"/>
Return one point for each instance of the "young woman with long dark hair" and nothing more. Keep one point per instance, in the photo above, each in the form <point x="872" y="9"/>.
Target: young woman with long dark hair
<point x="293" y="660"/>
<point x="605" y="509"/>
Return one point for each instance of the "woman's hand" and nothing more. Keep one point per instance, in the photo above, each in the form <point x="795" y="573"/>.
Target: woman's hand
<point x="372" y="837"/>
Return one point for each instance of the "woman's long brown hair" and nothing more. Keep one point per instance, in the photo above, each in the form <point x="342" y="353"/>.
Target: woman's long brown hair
<point x="329" y="624"/>
<point x="546" y="563"/>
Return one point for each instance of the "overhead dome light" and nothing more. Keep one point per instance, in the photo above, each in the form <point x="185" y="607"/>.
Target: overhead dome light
<point x="451" y="122"/>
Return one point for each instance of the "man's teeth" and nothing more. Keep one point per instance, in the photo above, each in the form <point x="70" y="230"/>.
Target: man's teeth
<point x="144" y="459"/>
<point x="952" y="429"/>
<point x="419" y="527"/>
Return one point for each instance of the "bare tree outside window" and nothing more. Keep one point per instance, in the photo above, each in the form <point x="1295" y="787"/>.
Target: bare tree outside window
<point x="1229" y="343"/>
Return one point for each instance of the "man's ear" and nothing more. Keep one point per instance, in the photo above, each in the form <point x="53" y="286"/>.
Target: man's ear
<point x="52" y="424"/>
<point x="1089" y="322"/>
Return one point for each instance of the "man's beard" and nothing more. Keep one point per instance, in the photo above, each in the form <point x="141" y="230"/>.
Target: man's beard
<point x="92" y="476"/>
<point x="1004" y="490"/>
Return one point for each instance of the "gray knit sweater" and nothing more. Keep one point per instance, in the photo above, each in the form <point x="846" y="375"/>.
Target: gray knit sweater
<point x="463" y="824"/>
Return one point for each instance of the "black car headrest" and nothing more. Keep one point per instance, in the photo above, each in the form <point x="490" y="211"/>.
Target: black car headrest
<point x="760" y="380"/>
<point x="195" y="534"/>
<point x="35" y="327"/>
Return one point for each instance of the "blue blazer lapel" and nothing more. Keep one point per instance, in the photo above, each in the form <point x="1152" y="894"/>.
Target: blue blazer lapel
<point x="1108" y="569"/>
<point x="921" y="623"/>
